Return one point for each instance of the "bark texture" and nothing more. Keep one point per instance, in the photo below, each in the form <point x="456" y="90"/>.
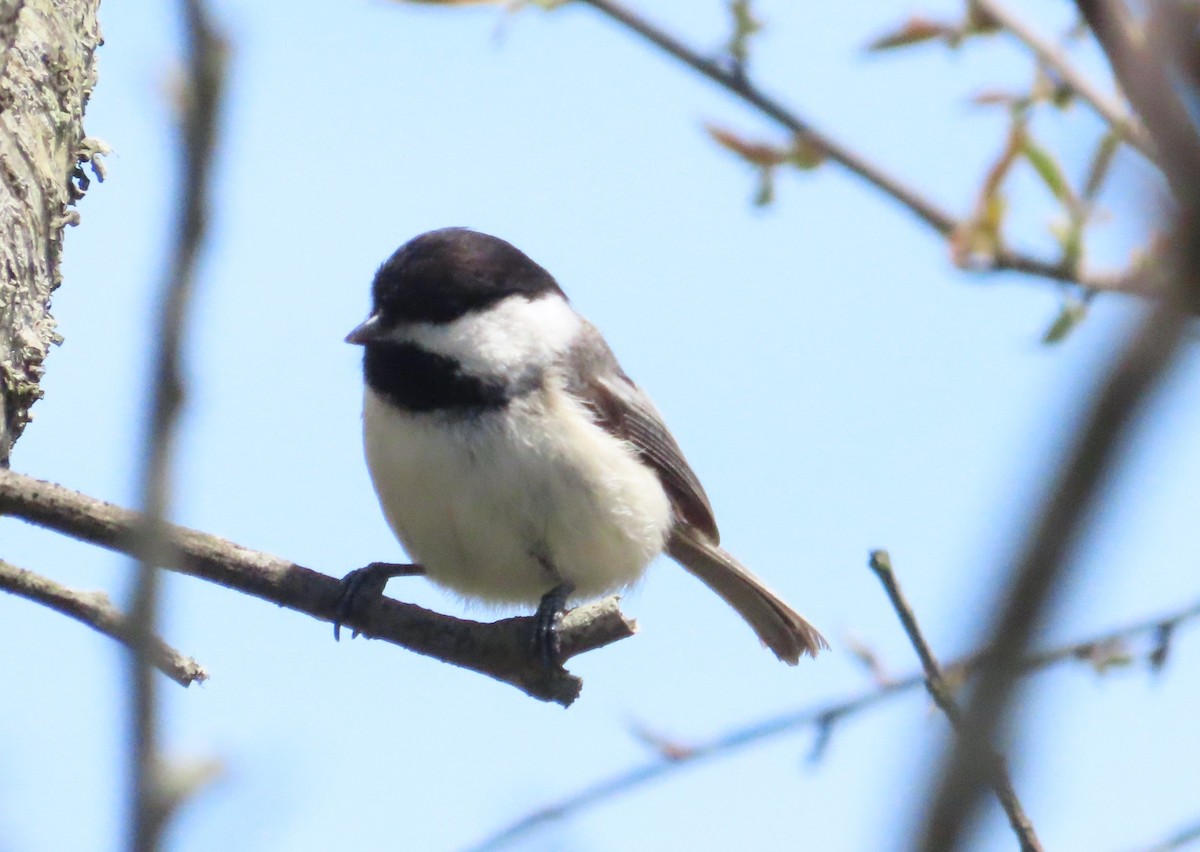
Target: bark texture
<point x="47" y="71"/>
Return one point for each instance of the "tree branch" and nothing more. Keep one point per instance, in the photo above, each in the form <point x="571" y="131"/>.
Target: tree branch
<point x="824" y="717"/>
<point x="935" y="683"/>
<point x="1111" y="110"/>
<point x="1045" y="558"/>
<point x="502" y="650"/>
<point x="1151" y="87"/>
<point x="152" y="803"/>
<point x="1181" y="839"/>
<point x="96" y="611"/>
<point x="735" y="81"/>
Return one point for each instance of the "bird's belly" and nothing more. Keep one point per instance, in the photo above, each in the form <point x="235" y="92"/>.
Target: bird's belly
<point x="505" y="505"/>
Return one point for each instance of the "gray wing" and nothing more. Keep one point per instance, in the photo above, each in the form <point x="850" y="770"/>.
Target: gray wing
<point x="625" y="411"/>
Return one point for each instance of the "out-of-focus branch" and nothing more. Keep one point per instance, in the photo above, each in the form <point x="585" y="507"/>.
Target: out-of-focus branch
<point x="502" y="650"/>
<point x="1110" y="109"/>
<point x="152" y="802"/>
<point x="1045" y="558"/>
<point x="735" y="81"/>
<point x="824" y="717"/>
<point x="738" y="84"/>
<point x="1140" y="66"/>
<point x="935" y="683"/>
<point x="1181" y="839"/>
<point x="96" y="611"/>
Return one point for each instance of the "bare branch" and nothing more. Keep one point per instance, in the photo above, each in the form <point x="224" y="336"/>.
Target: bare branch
<point x="1181" y="839"/>
<point x="935" y="683"/>
<point x="822" y="719"/>
<point x="1110" y="109"/>
<point x="502" y="650"/>
<point x="205" y="72"/>
<point x="736" y="82"/>
<point x="150" y="805"/>
<point x="740" y="85"/>
<point x="96" y="611"/>
<point x="868" y="657"/>
<point x="1045" y="559"/>
<point x="1140" y="69"/>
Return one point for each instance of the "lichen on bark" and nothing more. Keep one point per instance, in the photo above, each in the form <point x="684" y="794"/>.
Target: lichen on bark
<point x="47" y="71"/>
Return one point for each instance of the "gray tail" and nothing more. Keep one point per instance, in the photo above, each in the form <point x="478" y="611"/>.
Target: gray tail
<point x="778" y="626"/>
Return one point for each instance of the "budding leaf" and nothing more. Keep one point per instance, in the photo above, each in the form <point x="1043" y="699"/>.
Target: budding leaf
<point x="914" y="31"/>
<point x="975" y="241"/>
<point x="806" y="153"/>
<point x="1070" y="238"/>
<point x="1072" y="313"/>
<point x="993" y="97"/>
<point x="1047" y="168"/>
<point x="756" y="153"/>
<point x="745" y="25"/>
<point x="766" y="187"/>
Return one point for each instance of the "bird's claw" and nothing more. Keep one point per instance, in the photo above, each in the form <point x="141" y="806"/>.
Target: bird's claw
<point x="547" y="624"/>
<point x="363" y="585"/>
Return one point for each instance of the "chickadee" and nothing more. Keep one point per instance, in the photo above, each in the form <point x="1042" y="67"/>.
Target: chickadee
<point x="512" y="456"/>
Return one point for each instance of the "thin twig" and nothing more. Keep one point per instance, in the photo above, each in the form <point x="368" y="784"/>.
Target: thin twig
<point x="1110" y="109"/>
<point x="868" y="657"/>
<point x="1184" y="838"/>
<point x="822" y="719"/>
<point x="1045" y="558"/>
<point x="502" y="650"/>
<point x="96" y="611"/>
<point x="739" y="84"/>
<point x="942" y="696"/>
<point x="150" y="805"/>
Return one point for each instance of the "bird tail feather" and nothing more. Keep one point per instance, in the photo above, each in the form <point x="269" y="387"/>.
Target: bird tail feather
<point x="778" y="626"/>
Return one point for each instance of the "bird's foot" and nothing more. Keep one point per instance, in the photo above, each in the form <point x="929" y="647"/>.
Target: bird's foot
<point x="363" y="585"/>
<point x="547" y="622"/>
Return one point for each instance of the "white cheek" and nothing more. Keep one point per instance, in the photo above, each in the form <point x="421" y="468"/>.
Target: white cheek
<point x="511" y="336"/>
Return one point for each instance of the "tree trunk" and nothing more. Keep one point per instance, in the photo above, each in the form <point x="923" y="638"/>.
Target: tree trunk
<point x="47" y="71"/>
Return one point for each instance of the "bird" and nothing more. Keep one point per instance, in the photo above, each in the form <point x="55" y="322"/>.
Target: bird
<point x="514" y="459"/>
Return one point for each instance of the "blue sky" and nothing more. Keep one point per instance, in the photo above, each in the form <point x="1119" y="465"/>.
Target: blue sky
<point x="836" y="384"/>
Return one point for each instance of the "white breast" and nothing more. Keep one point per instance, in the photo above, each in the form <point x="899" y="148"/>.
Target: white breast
<point x="501" y="505"/>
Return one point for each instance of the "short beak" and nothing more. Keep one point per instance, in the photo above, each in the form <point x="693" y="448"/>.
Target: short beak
<point x="368" y="332"/>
